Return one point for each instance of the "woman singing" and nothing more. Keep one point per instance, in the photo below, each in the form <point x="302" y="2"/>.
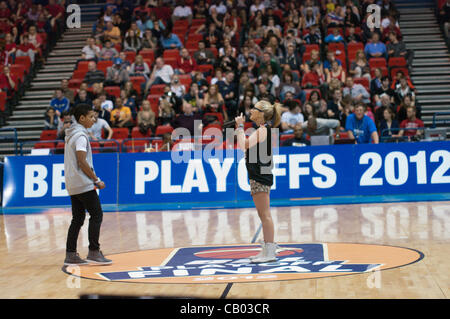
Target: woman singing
<point x="258" y="159"/>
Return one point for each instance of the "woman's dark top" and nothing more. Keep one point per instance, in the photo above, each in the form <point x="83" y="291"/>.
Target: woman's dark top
<point x="259" y="162"/>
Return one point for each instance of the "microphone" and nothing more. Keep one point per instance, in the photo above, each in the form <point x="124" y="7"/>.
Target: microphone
<point x="229" y="123"/>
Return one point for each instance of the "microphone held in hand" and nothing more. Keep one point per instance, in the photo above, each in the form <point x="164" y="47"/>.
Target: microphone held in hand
<point x="229" y="123"/>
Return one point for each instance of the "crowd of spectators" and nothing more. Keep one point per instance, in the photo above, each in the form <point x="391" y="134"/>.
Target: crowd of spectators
<point x="179" y="61"/>
<point x="28" y="30"/>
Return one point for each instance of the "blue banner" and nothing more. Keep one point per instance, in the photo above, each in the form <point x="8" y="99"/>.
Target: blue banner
<point x="200" y="177"/>
<point x="39" y="180"/>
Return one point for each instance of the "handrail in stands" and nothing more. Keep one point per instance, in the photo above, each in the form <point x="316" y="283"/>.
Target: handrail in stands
<point x="435" y="115"/>
<point x="10" y="129"/>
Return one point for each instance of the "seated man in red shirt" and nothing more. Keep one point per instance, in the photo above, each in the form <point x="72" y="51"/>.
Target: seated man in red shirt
<point x="7" y="81"/>
<point x="411" y="123"/>
<point x="185" y="63"/>
<point x="26" y="49"/>
<point x="315" y="79"/>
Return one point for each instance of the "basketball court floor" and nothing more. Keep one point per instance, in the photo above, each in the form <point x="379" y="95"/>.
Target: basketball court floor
<point x="386" y="250"/>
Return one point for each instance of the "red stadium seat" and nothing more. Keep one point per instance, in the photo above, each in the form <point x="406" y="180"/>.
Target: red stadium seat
<point x="309" y="91"/>
<point x="113" y="90"/>
<point x="363" y="81"/>
<point x="137" y="81"/>
<point x="130" y="56"/>
<point x="39" y="145"/>
<point x="163" y="129"/>
<point x="384" y="71"/>
<point x="310" y="47"/>
<point x="157" y="89"/>
<point x="3" y="98"/>
<point x="217" y="114"/>
<point x="194" y="37"/>
<point x="204" y="68"/>
<point x="397" y="62"/>
<point x="120" y="133"/>
<point x="79" y="74"/>
<point x="136" y="133"/>
<point x="49" y="135"/>
<point x="83" y="65"/>
<point x="171" y="53"/>
<point x="377" y="62"/>
<point x="25" y="61"/>
<point x="148" y="54"/>
<point x="284" y="137"/>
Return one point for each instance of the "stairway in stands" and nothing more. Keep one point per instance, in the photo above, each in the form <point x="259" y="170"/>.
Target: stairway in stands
<point x="431" y="65"/>
<point x="28" y="116"/>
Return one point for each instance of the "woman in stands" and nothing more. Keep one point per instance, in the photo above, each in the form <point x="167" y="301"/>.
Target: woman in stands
<point x="258" y="159"/>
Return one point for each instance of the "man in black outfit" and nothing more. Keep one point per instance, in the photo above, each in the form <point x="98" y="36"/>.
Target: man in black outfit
<point x="298" y="139"/>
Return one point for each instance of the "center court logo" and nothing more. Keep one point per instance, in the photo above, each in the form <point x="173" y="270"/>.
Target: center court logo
<point x="219" y="264"/>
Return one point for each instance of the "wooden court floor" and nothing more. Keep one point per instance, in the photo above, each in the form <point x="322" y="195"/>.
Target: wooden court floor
<point x="32" y="248"/>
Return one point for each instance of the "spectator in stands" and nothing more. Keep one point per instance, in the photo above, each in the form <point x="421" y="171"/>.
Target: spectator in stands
<point x="357" y="91"/>
<point x="161" y="74"/>
<point x="360" y="67"/>
<point x="291" y="118"/>
<point x="182" y="12"/>
<point x="194" y="97"/>
<point x="444" y="17"/>
<point x="334" y="37"/>
<point x="35" y="39"/>
<point x="292" y="58"/>
<point x="351" y="19"/>
<point x="82" y="98"/>
<point x="7" y="81"/>
<point x="90" y="51"/>
<point x="334" y="18"/>
<point x="315" y="79"/>
<point x="375" y="48"/>
<point x="116" y="75"/>
<point x="352" y="36"/>
<point x="140" y="67"/>
<point x="108" y="52"/>
<point x="298" y="139"/>
<point x="229" y="91"/>
<point x="176" y="87"/>
<point x="385" y="103"/>
<point x="204" y="55"/>
<point x="132" y="42"/>
<point x="112" y="33"/>
<point x="331" y="56"/>
<point x="185" y="63"/>
<point x="267" y="60"/>
<point x="167" y="143"/>
<point x="245" y="107"/>
<point x="26" y="49"/>
<point x="96" y="130"/>
<point x="93" y="75"/>
<point x="105" y="102"/>
<point x="60" y="103"/>
<point x="213" y="102"/>
<point x="336" y="72"/>
<point x="402" y="108"/>
<point x="396" y="48"/>
<point x="388" y="25"/>
<point x="313" y="36"/>
<point x="166" y="111"/>
<point x="403" y="89"/>
<point x="319" y="126"/>
<point x="385" y="88"/>
<point x="146" y="118"/>
<point x="211" y="36"/>
<point x="68" y="93"/>
<point x="10" y="49"/>
<point x="51" y="119"/>
<point x="64" y="123"/>
<point x="121" y="115"/>
<point x="410" y="127"/>
<point x="103" y="113"/>
<point x="188" y="119"/>
<point x="335" y="106"/>
<point x="287" y="85"/>
<point x="149" y="41"/>
<point x="361" y="127"/>
<point x="170" y="40"/>
<point x="310" y="19"/>
<point x="389" y="125"/>
<point x="227" y="62"/>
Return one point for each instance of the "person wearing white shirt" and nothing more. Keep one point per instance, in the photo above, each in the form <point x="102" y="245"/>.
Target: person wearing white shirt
<point x="161" y="74"/>
<point x="106" y="104"/>
<point x="182" y="11"/>
<point x="257" y="6"/>
<point x="95" y="131"/>
<point x="219" y="6"/>
<point x="291" y="118"/>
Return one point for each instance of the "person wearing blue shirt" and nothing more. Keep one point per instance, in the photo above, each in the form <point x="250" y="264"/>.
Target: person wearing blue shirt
<point x="170" y="40"/>
<point x="334" y="37"/>
<point x="60" y="103"/>
<point x="361" y="127"/>
<point x="375" y="48"/>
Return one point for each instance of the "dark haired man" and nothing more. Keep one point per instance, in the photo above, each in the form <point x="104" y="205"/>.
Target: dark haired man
<point x="80" y="181"/>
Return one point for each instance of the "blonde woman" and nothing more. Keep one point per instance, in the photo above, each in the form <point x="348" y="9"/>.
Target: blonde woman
<point x="213" y="102"/>
<point x="258" y="159"/>
<point x="360" y="67"/>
